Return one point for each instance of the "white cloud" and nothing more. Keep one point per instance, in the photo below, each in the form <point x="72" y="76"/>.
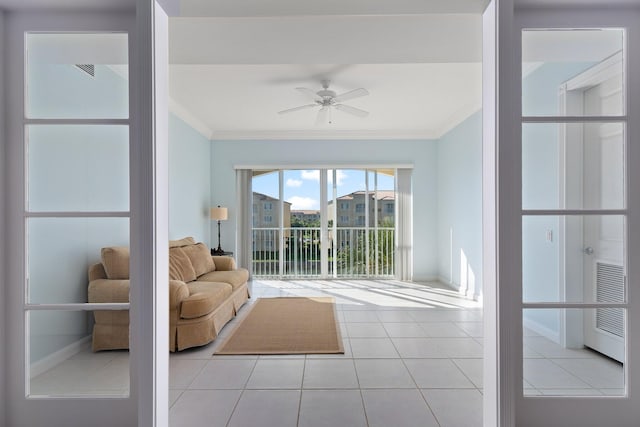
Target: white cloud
<point x="340" y="177"/>
<point x="303" y="203"/>
<point x="314" y="175"/>
<point x="294" y="182"/>
<point x="310" y="175"/>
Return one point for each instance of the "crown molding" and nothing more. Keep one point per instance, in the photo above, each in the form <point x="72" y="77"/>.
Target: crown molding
<point x="322" y="135"/>
<point x="187" y="117"/>
<point x="458" y="117"/>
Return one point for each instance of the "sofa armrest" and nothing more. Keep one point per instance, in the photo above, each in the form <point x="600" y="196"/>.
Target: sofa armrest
<point x="224" y="263"/>
<point x="96" y="271"/>
<point x="108" y="290"/>
<point x="178" y="291"/>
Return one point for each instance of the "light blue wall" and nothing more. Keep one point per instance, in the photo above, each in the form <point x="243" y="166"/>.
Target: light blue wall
<point x="459" y="201"/>
<point x="540" y="178"/>
<point x="421" y="154"/>
<point x="189" y="182"/>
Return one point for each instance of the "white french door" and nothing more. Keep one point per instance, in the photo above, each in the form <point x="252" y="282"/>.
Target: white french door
<point x="84" y="172"/>
<point x="578" y="254"/>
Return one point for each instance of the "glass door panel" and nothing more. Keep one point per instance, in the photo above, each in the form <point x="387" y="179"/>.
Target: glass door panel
<point x="359" y="224"/>
<point x="574" y="232"/>
<point x="77" y="202"/>
<point x="266" y="234"/>
<point x="301" y="226"/>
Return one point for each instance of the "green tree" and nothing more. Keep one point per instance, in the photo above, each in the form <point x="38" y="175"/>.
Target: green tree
<point x="352" y="256"/>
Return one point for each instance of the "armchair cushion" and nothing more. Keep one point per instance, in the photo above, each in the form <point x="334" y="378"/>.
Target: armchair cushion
<point x="115" y="260"/>
<point x="200" y="258"/>
<point x="180" y="267"/>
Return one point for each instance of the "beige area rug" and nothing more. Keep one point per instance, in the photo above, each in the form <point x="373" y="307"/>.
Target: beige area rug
<point x="287" y="325"/>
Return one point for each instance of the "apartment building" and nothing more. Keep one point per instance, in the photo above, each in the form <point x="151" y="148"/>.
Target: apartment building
<point x="266" y="215"/>
<point x="306" y="216"/>
<point x="351" y="209"/>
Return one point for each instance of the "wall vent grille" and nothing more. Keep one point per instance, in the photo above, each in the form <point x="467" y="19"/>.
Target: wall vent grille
<point x="610" y="288"/>
<point x="88" y="68"/>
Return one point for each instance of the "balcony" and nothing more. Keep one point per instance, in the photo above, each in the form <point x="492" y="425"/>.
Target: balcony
<point x="355" y="252"/>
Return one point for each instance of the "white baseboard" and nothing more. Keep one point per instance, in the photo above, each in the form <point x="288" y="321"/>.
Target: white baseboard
<point x="541" y="330"/>
<point x="54" y="359"/>
<point x="456" y="286"/>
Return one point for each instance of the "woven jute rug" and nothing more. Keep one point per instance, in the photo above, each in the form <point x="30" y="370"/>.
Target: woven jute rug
<point x="288" y="325"/>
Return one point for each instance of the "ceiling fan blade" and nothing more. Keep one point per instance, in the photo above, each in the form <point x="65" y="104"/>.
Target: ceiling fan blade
<point x="356" y="93"/>
<point x="351" y="110"/>
<point x="324" y="116"/>
<point x="302" y="107"/>
<point x="309" y="93"/>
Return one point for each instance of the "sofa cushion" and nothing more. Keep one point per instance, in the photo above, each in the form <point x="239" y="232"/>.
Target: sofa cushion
<point x="235" y="278"/>
<point x="115" y="260"/>
<point x="200" y="258"/>
<point x="180" y="267"/>
<point x="182" y="242"/>
<point x="204" y="298"/>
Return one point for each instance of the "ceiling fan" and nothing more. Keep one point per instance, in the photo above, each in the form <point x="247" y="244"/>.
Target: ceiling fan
<point x="327" y="99"/>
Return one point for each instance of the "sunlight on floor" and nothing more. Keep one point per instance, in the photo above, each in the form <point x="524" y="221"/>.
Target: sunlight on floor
<point x="412" y="350"/>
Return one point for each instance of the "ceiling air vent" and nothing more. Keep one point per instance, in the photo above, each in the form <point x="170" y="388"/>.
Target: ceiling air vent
<point x="88" y="68"/>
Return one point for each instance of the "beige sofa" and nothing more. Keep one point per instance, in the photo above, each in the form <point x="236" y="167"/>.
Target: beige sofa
<point x="205" y="292"/>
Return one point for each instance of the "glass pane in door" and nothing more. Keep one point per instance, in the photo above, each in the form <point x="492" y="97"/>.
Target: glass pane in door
<point x="62" y="251"/>
<point x="62" y="363"/>
<point x="77" y="76"/>
<point x="552" y="58"/>
<point x="78" y="168"/>
<point x="573" y="166"/>
<point x="302" y="223"/>
<point x="573" y="258"/>
<point x="574" y="352"/>
<point x="266" y="223"/>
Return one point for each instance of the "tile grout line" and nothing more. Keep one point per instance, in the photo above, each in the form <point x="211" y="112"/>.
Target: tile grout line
<point x="304" y="370"/>
<point x="244" y="388"/>
<point x="416" y="384"/>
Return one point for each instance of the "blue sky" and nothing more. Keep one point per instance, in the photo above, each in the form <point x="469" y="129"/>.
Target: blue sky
<point x="302" y="187"/>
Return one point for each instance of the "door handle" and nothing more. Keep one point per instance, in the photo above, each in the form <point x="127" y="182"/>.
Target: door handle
<point x="588" y="250"/>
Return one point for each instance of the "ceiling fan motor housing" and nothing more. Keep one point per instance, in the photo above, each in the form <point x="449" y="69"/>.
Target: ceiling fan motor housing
<point x="325" y="93"/>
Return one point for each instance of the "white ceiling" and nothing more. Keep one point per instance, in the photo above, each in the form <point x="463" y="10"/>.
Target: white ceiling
<point x="233" y="75"/>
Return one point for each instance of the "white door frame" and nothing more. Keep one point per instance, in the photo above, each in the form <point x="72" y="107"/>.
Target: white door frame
<point x="573" y="328"/>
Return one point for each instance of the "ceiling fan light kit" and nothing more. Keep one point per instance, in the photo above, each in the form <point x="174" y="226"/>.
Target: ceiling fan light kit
<point x="327" y="99"/>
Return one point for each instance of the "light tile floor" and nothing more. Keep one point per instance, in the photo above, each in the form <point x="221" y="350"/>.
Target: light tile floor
<point x="413" y="356"/>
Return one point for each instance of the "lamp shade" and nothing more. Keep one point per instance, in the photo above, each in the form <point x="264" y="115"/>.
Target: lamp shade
<point x="219" y="213"/>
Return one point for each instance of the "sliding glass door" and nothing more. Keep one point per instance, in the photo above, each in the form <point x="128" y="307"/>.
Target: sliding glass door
<point x="323" y="223"/>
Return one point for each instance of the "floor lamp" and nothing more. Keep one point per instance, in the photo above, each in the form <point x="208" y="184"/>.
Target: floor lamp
<point x="218" y="214"/>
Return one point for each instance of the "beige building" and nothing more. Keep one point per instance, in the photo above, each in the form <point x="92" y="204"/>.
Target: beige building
<point x="266" y="215"/>
<point x="306" y="215"/>
<point x="351" y="208"/>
